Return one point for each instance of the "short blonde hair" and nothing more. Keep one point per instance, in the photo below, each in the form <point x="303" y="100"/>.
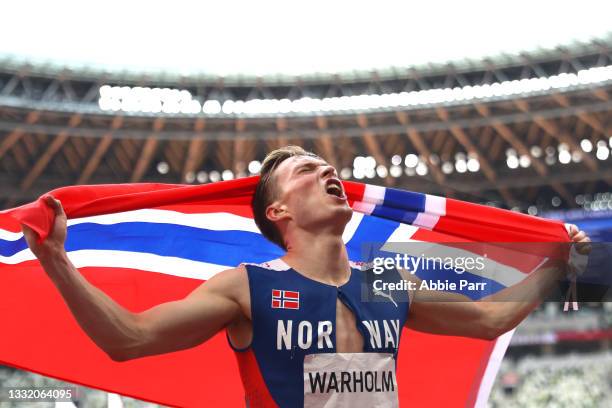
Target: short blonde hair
<point x="265" y="191"/>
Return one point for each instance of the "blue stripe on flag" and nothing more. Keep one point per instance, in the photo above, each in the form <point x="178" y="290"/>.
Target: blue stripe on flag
<point x="406" y="200"/>
<point x="370" y="230"/>
<point x="9" y="248"/>
<point x="229" y="247"/>
<point x="395" y="214"/>
<point x="400" y="206"/>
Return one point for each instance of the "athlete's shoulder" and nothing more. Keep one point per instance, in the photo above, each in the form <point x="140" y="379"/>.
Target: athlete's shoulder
<point x="230" y="275"/>
<point x="237" y="278"/>
<point x="231" y="284"/>
<point x="228" y="281"/>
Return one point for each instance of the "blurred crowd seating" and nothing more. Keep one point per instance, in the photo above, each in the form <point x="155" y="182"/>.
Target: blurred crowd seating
<point x="86" y="397"/>
<point x="576" y="381"/>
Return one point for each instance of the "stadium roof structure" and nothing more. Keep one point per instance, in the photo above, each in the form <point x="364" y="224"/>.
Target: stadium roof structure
<point x="530" y="131"/>
<point x="162" y="78"/>
<point x="39" y="87"/>
<point x="244" y="42"/>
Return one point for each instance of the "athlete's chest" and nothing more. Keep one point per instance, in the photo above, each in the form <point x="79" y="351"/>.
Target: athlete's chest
<point x="303" y="317"/>
<point x="322" y="345"/>
<point x="348" y="338"/>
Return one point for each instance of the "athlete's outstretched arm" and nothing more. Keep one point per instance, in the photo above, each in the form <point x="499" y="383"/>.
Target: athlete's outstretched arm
<point x="454" y="314"/>
<point x="124" y="335"/>
<point x="457" y="315"/>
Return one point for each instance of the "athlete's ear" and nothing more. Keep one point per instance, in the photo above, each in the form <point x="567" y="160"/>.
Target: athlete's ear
<point x="276" y="211"/>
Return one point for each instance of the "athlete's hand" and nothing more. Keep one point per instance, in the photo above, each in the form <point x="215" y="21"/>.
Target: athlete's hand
<point x="580" y="238"/>
<point x="54" y="244"/>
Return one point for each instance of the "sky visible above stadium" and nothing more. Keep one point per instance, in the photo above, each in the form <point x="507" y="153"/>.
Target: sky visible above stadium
<point x="232" y="37"/>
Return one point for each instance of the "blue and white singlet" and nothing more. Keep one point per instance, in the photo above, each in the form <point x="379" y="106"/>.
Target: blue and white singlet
<point x="292" y="359"/>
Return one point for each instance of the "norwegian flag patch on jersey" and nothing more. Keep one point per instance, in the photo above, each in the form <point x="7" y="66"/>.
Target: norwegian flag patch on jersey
<point x="285" y="299"/>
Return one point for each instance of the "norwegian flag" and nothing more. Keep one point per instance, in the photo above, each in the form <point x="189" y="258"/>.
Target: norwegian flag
<point x="145" y="244"/>
<point x="285" y="299"/>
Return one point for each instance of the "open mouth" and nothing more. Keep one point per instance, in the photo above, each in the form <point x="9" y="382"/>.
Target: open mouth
<point x="334" y="187"/>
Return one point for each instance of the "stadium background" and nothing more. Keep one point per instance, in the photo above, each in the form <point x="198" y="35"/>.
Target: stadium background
<point x="528" y="130"/>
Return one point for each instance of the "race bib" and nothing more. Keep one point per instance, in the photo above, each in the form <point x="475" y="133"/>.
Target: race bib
<point x="350" y="380"/>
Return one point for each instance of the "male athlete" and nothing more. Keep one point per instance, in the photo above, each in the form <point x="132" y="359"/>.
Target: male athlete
<point x="323" y="345"/>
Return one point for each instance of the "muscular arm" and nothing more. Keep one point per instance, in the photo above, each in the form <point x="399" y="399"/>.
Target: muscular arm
<point x="454" y="314"/>
<point x="457" y="315"/>
<point x="124" y="335"/>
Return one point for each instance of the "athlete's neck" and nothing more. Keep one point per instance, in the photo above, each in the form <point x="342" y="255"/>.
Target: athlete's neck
<point x="321" y="257"/>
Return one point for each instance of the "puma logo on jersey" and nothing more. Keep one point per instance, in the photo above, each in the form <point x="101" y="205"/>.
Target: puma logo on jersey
<point x="386" y="295"/>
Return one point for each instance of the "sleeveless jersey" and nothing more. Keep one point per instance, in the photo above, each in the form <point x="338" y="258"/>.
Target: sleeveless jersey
<point x="292" y="359"/>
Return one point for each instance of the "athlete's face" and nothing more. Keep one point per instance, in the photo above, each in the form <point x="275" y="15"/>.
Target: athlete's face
<point x="309" y="191"/>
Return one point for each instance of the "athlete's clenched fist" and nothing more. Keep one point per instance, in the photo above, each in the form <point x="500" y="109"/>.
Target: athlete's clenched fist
<point x="55" y="241"/>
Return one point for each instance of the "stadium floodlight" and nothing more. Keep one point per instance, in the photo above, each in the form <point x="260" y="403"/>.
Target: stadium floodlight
<point x="421" y="169"/>
<point x="524" y="161"/>
<point x="411" y="160"/>
<point x="211" y="107"/>
<point x="254" y="167"/>
<point x="147" y="100"/>
<point x="227" y="175"/>
<point x="163" y="167"/>
<point x="602" y="152"/>
<point x="370" y="162"/>
<point x="174" y="101"/>
<point x="202" y="177"/>
<point x="447" y="167"/>
<point x="512" y="162"/>
<point x="214" y="176"/>
<point x="565" y="157"/>
<point x="190" y="177"/>
<point x="381" y="171"/>
<point x="473" y="165"/>
<point x="536" y="151"/>
<point x="576" y="156"/>
<point x="359" y="162"/>
<point x="461" y="166"/>
<point x="346" y="173"/>
<point x="395" y="171"/>
<point x="358" y="173"/>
